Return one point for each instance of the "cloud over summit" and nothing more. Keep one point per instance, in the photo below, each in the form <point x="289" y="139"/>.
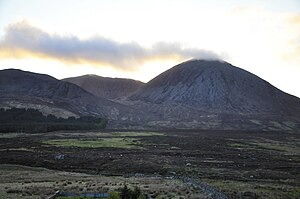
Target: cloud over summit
<point x="24" y="40"/>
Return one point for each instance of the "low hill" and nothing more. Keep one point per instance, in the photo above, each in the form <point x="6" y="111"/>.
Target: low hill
<point x="21" y="89"/>
<point x="106" y="87"/>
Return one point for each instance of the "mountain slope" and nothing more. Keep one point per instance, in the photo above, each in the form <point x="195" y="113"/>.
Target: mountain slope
<point x="215" y="95"/>
<point x="196" y="94"/>
<point x="105" y="87"/>
<point x="217" y="87"/>
<point x="51" y="96"/>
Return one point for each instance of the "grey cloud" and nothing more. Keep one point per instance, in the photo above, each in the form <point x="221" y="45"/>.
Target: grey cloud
<point x="95" y="50"/>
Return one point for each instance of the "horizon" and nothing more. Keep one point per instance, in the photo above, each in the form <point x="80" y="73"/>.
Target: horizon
<point x="139" y="40"/>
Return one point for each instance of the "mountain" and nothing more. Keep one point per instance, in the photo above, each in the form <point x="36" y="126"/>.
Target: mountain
<point x="196" y="94"/>
<point x="197" y="90"/>
<point x="23" y="89"/>
<point x="106" y="87"/>
<point x="216" y="87"/>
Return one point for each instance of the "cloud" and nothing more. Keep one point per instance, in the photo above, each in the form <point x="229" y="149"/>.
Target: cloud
<point x="294" y="19"/>
<point x="23" y="40"/>
<point x="292" y="49"/>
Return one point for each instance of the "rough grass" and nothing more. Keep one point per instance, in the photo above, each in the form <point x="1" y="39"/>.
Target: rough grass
<point x="17" y="149"/>
<point x="80" y="197"/>
<point x="136" y="134"/>
<point x="256" y="122"/>
<point x="240" y="146"/>
<point x="234" y="163"/>
<point x="22" y="182"/>
<point x="273" y="125"/>
<point x="286" y="148"/>
<point x="97" y="143"/>
<point x="265" y="190"/>
<point x="291" y="147"/>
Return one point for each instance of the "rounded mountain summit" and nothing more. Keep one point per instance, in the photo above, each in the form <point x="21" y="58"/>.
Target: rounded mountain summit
<point x="217" y="87"/>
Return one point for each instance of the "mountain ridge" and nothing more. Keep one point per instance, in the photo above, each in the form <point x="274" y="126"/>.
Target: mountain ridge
<point x="196" y="94"/>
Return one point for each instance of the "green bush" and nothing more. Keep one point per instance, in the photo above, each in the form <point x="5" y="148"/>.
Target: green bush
<point x="114" y="195"/>
<point x="127" y="193"/>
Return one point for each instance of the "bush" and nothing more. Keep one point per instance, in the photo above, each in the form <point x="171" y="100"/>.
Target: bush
<point x="127" y="193"/>
<point x="114" y="195"/>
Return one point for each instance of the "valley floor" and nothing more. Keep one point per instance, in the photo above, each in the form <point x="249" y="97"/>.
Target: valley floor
<point x="235" y="163"/>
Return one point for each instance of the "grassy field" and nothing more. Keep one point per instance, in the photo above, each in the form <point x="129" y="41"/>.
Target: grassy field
<point x="114" y="140"/>
<point x="33" y="183"/>
<point x="135" y="134"/>
<point x="256" y="190"/>
<point x="238" y="164"/>
<point x="126" y="143"/>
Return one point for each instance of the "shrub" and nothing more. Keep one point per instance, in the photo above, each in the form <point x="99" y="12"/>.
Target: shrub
<point x="114" y="195"/>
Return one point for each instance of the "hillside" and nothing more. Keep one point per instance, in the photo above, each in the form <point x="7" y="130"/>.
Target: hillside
<point x="106" y="87"/>
<point x="23" y="89"/>
<point x="197" y="92"/>
<point x="31" y="120"/>
<point x="216" y="87"/>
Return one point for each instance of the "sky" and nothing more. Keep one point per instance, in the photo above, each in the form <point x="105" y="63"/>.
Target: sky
<point x="139" y="39"/>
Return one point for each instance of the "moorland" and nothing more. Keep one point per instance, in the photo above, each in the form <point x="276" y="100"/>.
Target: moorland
<point x="163" y="164"/>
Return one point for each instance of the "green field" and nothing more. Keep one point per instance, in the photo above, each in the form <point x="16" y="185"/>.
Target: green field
<point x="97" y="143"/>
<point x="136" y="134"/>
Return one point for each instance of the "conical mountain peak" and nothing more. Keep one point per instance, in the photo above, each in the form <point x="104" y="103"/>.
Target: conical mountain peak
<point x="215" y="86"/>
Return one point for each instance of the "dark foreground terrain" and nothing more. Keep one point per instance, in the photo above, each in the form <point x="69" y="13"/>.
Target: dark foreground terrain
<point x="235" y="163"/>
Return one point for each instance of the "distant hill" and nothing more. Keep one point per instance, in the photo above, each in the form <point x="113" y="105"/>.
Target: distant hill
<point x="21" y="89"/>
<point x="106" y="87"/>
